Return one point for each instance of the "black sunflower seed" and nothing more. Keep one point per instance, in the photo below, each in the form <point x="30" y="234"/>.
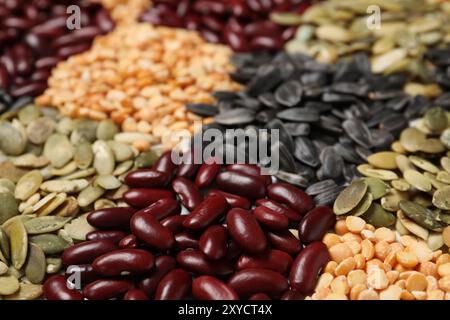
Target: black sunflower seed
<point x="347" y="151"/>
<point x="358" y="132"/>
<point x="203" y="109"/>
<point x="381" y="138"/>
<point x="328" y="197"/>
<point x="297" y="129"/>
<point x="292" y="178"/>
<point x="306" y="152"/>
<point x="332" y="163"/>
<point x="299" y="115"/>
<point x="268" y="100"/>
<point x="321" y="187"/>
<point x="235" y="117"/>
<point x="285" y="135"/>
<point x="289" y="93"/>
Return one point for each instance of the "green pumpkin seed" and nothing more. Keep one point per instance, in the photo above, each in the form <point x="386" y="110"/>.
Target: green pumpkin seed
<point x="441" y="198"/>
<point x="386" y="60"/>
<point x="434" y="182"/>
<point x="391" y="200"/>
<point x="423" y="164"/>
<point x="122" y="151"/>
<point x="40" y="129"/>
<point x="104" y="161"/>
<point x="445" y="163"/>
<point x="86" y="129"/>
<point x="50" y="243"/>
<point x="18" y="241"/>
<point x="8" y="285"/>
<point x="45" y="224"/>
<point x="106" y="130"/>
<point x="417" y="180"/>
<point x="436" y="119"/>
<point x="421" y="215"/>
<point x="443" y="177"/>
<point x="146" y="159"/>
<point x="378" y="217"/>
<point x="108" y="182"/>
<point x="15" y="272"/>
<point x="286" y="18"/>
<point x="3" y="268"/>
<point x="377" y="187"/>
<point x="50" y="206"/>
<point x="28" y="185"/>
<point x="104" y="203"/>
<point x="435" y="241"/>
<point x="368" y="171"/>
<point x="67" y="186"/>
<point x="411" y="139"/>
<point x="363" y="205"/>
<point x="27" y="291"/>
<point x="413" y="227"/>
<point x="401" y="228"/>
<point x="89" y="195"/>
<point x="431" y="146"/>
<point x="9" y="171"/>
<point x="65" y="170"/>
<point x="117" y="194"/>
<point x="422" y="199"/>
<point x="383" y="160"/>
<point x="350" y="197"/>
<point x="83" y="156"/>
<point x="8" y="207"/>
<point x="54" y="265"/>
<point x="58" y="150"/>
<point x="123" y="168"/>
<point x="78" y="228"/>
<point x="12" y="142"/>
<point x="41" y="203"/>
<point x="400" y="185"/>
<point x="6" y="185"/>
<point x="445" y="139"/>
<point x="80" y="174"/>
<point x="30" y="160"/>
<point x="29" y="113"/>
<point x="35" y="265"/>
<point x="69" y="208"/>
<point x="4" y="245"/>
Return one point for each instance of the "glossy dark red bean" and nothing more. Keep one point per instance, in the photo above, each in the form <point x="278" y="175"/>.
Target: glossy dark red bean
<point x="241" y="184"/>
<point x="188" y="168"/>
<point x="105" y="289"/>
<point x="210" y="36"/>
<point x="84" y="272"/>
<point x="270" y="218"/>
<point x="55" y="288"/>
<point x="186" y="240"/>
<point x="250" y="281"/>
<point x="197" y="262"/>
<point x="150" y="231"/>
<point x="163" y="265"/>
<point x="50" y="28"/>
<point x="214" y="242"/>
<point x="188" y="192"/>
<point x="41" y="75"/>
<point x="236" y="41"/>
<point x="4" y="77"/>
<point x="266" y="43"/>
<point x="240" y="8"/>
<point x="175" y="285"/>
<point x="206" y="174"/>
<point x="275" y="260"/>
<point x="315" y="224"/>
<point x="146" y="178"/>
<point x="163" y="208"/>
<point x="129" y="242"/>
<point x="111" y="218"/>
<point x="28" y="89"/>
<point x="262" y="28"/>
<point x="135" y="294"/>
<point x="65" y="52"/>
<point x="46" y="62"/>
<point x="124" y="261"/>
<point x="250" y="170"/>
<point x="233" y="251"/>
<point x="213" y="23"/>
<point x="210" y="6"/>
<point x="210" y="288"/>
<point x="103" y="21"/>
<point x="306" y="267"/>
<point x="284" y="241"/>
<point x="292" y="294"/>
<point x="275" y="206"/>
<point x="234" y="201"/>
<point x="290" y="195"/>
<point x="113" y="235"/>
<point x="245" y="231"/>
<point x="207" y="212"/>
<point x="165" y="164"/>
<point x="259" y="297"/>
<point x="174" y="223"/>
<point x="141" y="198"/>
<point x="87" y="252"/>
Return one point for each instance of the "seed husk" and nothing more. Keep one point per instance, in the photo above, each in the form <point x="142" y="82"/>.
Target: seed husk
<point x="50" y="243"/>
<point x="58" y="150"/>
<point x="28" y="184"/>
<point x="27" y="291"/>
<point x="382" y="174"/>
<point x="377" y="187"/>
<point x="378" y="217"/>
<point x="383" y="160"/>
<point x="29" y="113"/>
<point x="35" y="265"/>
<point x="417" y="180"/>
<point x="8" y="285"/>
<point x="350" y="197"/>
<point x="45" y="224"/>
<point x="18" y="241"/>
<point x="421" y="215"/>
<point x="441" y="198"/>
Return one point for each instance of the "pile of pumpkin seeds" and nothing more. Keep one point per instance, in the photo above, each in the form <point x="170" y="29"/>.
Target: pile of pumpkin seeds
<point x="409" y="187"/>
<point x="397" y="42"/>
<point x="53" y="170"/>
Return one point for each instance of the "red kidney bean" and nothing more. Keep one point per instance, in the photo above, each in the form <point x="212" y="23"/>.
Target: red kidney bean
<point x="46" y="62"/>
<point x="174" y="223"/>
<point x="185" y="240"/>
<point x="270" y="218"/>
<point x="259" y="297"/>
<point x="284" y="241"/>
<point x="250" y="281"/>
<point x="236" y="40"/>
<point x="146" y="178"/>
<point x="147" y="229"/>
<point x="104" y="21"/>
<point x="315" y="224"/>
<point x="85" y="272"/>
<point x="113" y="235"/>
<point x="141" y="198"/>
<point x="128" y="261"/>
<point x="55" y="288"/>
<point x="241" y="184"/>
<point x="28" y="89"/>
<point x="129" y="242"/>
<point x="118" y="217"/>
<point x="306" y="267"/>
<point x="207" y="212"/>
<point x="295" y="198"/>
<point x="86" y="252"/>
<point x="165" y="163"/>
<point x="206" y="174"/>
<point x="41" y="75"/>
<point x="262" y="28"/>
<point x="65" y="52"/>
<point x="163" y="208"/>
<point x="175" y="285"/>
<point x="163" y="265"/>
<point x="234" y="201"/>
<point x="135" y="294"/>
<point x="210" y="288"/>
<point x="187" y="191"/>
<point x="233" y="251"/>
<point x="245" y="231"/>
<point x="105" y="289"/>
<point x="50" y="28"/>
<point x="275" y="206"/>
<point x="275" y="260"/>
<point x="214" y="242"/>
<point x="213" y="23"/>
<point x="188" y="168"/>
<point x="292" y="294"/>
<point x="250" y="170"/>
<point x="4" y="77"/>
<point x="196" y="261"/>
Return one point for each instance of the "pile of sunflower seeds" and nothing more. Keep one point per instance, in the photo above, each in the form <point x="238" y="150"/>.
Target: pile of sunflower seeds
<point x="408" y="187"/>
<point x="330" y="117"/>
<point x="52" y="171"/>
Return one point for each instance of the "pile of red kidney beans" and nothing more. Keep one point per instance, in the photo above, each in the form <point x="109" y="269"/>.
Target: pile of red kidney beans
<point x="242" y="24"/>
<point x="233" y="242"/>
<point x="34" y="37"/>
